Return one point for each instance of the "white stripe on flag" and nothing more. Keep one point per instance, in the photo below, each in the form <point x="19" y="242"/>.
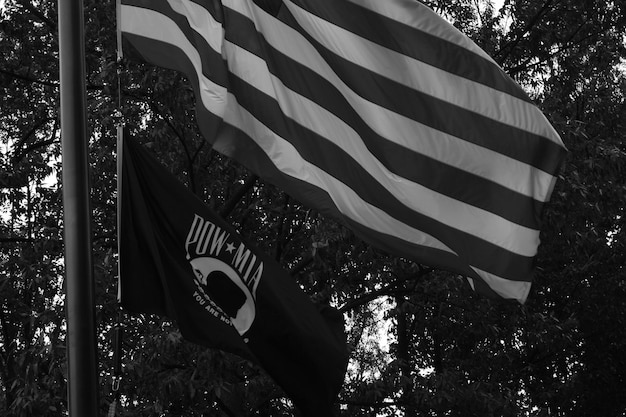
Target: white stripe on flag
<point x="506" y="288"/>
<point x="201" y="21"/>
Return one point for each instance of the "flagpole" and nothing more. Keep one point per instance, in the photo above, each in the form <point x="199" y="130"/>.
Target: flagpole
<point x="82" y="362"/>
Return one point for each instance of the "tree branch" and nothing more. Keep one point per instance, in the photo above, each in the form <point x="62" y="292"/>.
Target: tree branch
<point x="391" y="289"/>
<point x="34" y="146"/>
<point x="29" y="79"/>
<point x="22" y="153"/>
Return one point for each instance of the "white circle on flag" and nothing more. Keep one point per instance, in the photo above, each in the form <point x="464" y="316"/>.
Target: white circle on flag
<point x="208" y="269"/>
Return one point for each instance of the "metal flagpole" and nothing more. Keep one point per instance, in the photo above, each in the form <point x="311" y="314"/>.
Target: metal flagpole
<point x="79" y="297"/>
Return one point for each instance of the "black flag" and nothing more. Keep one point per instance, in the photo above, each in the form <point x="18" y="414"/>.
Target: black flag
<point x="179" y="259"/>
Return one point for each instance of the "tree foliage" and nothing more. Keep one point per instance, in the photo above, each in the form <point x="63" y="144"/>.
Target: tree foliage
<point x="447" y="352"/>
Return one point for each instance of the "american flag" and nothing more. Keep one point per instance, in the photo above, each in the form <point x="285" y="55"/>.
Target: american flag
<point x="378" y="113"/>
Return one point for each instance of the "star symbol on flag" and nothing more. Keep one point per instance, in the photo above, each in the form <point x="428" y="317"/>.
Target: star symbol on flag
<point x="230" y="248"/>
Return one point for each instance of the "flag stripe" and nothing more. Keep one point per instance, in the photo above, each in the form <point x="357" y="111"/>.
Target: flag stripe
<point x="504" y="288"/>
<point x="441" y="159"/>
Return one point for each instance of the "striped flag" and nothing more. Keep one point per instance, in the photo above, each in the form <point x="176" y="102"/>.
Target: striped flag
<point x="379" y="113"/>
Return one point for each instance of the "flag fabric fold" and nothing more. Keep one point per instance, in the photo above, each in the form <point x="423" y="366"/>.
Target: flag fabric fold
<point x="180" y="260"/>
<point x="378" y="113"/>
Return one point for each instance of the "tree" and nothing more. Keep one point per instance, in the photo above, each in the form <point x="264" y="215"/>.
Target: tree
<point x="449" y="352"/>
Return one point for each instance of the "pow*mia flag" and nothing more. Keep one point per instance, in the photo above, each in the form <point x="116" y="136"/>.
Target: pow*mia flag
<point x="180" y="260"/>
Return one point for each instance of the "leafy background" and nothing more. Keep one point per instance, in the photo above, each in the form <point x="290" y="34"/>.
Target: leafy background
<point x="421" y="343"/>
